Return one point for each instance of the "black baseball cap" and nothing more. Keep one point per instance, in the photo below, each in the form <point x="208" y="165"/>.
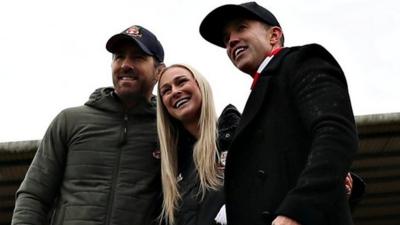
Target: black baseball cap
<point x="212" y="26"/>
<point x="146" y="40"/>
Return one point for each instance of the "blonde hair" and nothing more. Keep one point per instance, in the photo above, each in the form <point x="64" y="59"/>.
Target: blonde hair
<point x="205" y="154"/>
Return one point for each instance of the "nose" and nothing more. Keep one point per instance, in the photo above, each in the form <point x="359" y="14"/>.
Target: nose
<point x="176" y="92"/>
<point x="127" y="65"/>
<point x="233" y="40"/>
<point x="232" y="43"/>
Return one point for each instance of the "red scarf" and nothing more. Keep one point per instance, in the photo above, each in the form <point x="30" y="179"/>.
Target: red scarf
<point x="264" y="64"/>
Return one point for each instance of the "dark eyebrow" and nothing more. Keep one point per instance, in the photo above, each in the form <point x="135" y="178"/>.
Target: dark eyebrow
<point x="117" y="53"/>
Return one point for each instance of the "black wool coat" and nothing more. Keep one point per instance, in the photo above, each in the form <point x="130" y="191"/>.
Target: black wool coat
<point x="294" y="144"/>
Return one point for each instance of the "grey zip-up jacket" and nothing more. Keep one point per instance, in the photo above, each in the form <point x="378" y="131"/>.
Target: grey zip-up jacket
<point x="97" y="164"/>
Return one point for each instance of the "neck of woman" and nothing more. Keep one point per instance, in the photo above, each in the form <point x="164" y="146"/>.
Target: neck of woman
<point x="193" y="128"/>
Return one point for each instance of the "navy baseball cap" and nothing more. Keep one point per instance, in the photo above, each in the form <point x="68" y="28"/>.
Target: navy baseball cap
<point x="212" y="26"/>
<point x="146" y="40"/>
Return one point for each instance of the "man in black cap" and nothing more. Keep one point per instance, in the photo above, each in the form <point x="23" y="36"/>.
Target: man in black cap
<point x="99" y="163"/>
<point x="297" y="136"/>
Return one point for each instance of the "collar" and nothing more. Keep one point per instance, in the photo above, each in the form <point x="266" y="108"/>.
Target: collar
<point x="262" y="66"/>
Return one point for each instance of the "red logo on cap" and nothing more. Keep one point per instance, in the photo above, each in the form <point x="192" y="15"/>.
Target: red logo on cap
<point x="134" y="31"/>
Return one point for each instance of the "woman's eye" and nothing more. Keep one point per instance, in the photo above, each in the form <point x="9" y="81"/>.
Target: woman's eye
<point x="165" y="91"/>
<point x="182" y="82"/>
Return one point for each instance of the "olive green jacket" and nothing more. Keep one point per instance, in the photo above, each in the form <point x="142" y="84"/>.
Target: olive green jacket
<point x="97" y="164"/>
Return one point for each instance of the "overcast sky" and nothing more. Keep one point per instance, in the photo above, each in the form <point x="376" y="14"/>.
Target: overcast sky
<point x="52" y="52"/>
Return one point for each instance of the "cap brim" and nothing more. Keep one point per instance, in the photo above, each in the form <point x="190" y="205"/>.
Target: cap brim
<point x="114" y="43"/>
<point x="212" y="26"/>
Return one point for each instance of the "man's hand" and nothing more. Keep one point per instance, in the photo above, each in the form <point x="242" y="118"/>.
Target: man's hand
<point x="348" y="184"/>
<point x="283" y="220"/>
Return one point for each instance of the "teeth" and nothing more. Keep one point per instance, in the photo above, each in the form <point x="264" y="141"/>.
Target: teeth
<point x="126" y="78"/>
<point x="180" y="102"/>
<point x="238" y="50"/>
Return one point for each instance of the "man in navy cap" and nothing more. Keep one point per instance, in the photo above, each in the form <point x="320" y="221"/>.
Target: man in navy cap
<point x="99" y="163"/>
<point x="297" y="136"/>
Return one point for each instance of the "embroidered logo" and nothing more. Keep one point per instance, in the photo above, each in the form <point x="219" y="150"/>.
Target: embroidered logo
<point x="134" y="31"/>
<point x="179" y="178"/>
<point x="157" y="154"/>
<point x="223" y="156"/>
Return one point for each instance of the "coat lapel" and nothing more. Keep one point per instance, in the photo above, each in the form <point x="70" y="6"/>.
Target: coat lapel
<point x="253" y="103"/>
<point x="256" y="98"/>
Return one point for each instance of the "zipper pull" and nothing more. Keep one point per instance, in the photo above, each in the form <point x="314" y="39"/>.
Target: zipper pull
<point x="125" y="130"/>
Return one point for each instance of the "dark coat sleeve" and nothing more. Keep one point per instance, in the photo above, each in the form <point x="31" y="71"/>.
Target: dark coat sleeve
<point x="319" y="91"/>
<point x="358" y="191"/>
<point x="227" y="124"/>
<point x="37" y="192"/>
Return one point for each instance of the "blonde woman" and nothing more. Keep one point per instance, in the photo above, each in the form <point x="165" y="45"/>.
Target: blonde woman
<point x="190" y="162"/>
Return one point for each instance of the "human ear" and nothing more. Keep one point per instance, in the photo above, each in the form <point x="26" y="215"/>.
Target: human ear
<point x="159" y="69"/>
<point x="276" y="34"/>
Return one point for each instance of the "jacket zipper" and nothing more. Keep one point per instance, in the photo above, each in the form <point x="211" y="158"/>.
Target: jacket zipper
<point x="125" y="130"/>
<point x="116" y="170"/>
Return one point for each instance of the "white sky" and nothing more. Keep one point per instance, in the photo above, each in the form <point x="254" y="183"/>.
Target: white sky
<point x="52" y="52"/>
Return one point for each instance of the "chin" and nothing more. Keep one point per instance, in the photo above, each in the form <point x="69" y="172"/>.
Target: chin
<point x="246" y="69"/>
<point x="241" y="65"/>
<point x="186" y="115"/>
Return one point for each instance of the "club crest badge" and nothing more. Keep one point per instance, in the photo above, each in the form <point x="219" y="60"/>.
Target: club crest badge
<point x="223" y="155"/>
<point x="134" y="31"/>
<point x="157" y="154"/>
<point x="179" y="178"/>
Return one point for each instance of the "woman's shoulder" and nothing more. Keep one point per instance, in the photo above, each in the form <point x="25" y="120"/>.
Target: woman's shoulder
<point x="229" y="117"/>
<point x="227" y="124"/>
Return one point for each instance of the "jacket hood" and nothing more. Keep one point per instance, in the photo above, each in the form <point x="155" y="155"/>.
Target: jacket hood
<point x="106" y="99"/>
